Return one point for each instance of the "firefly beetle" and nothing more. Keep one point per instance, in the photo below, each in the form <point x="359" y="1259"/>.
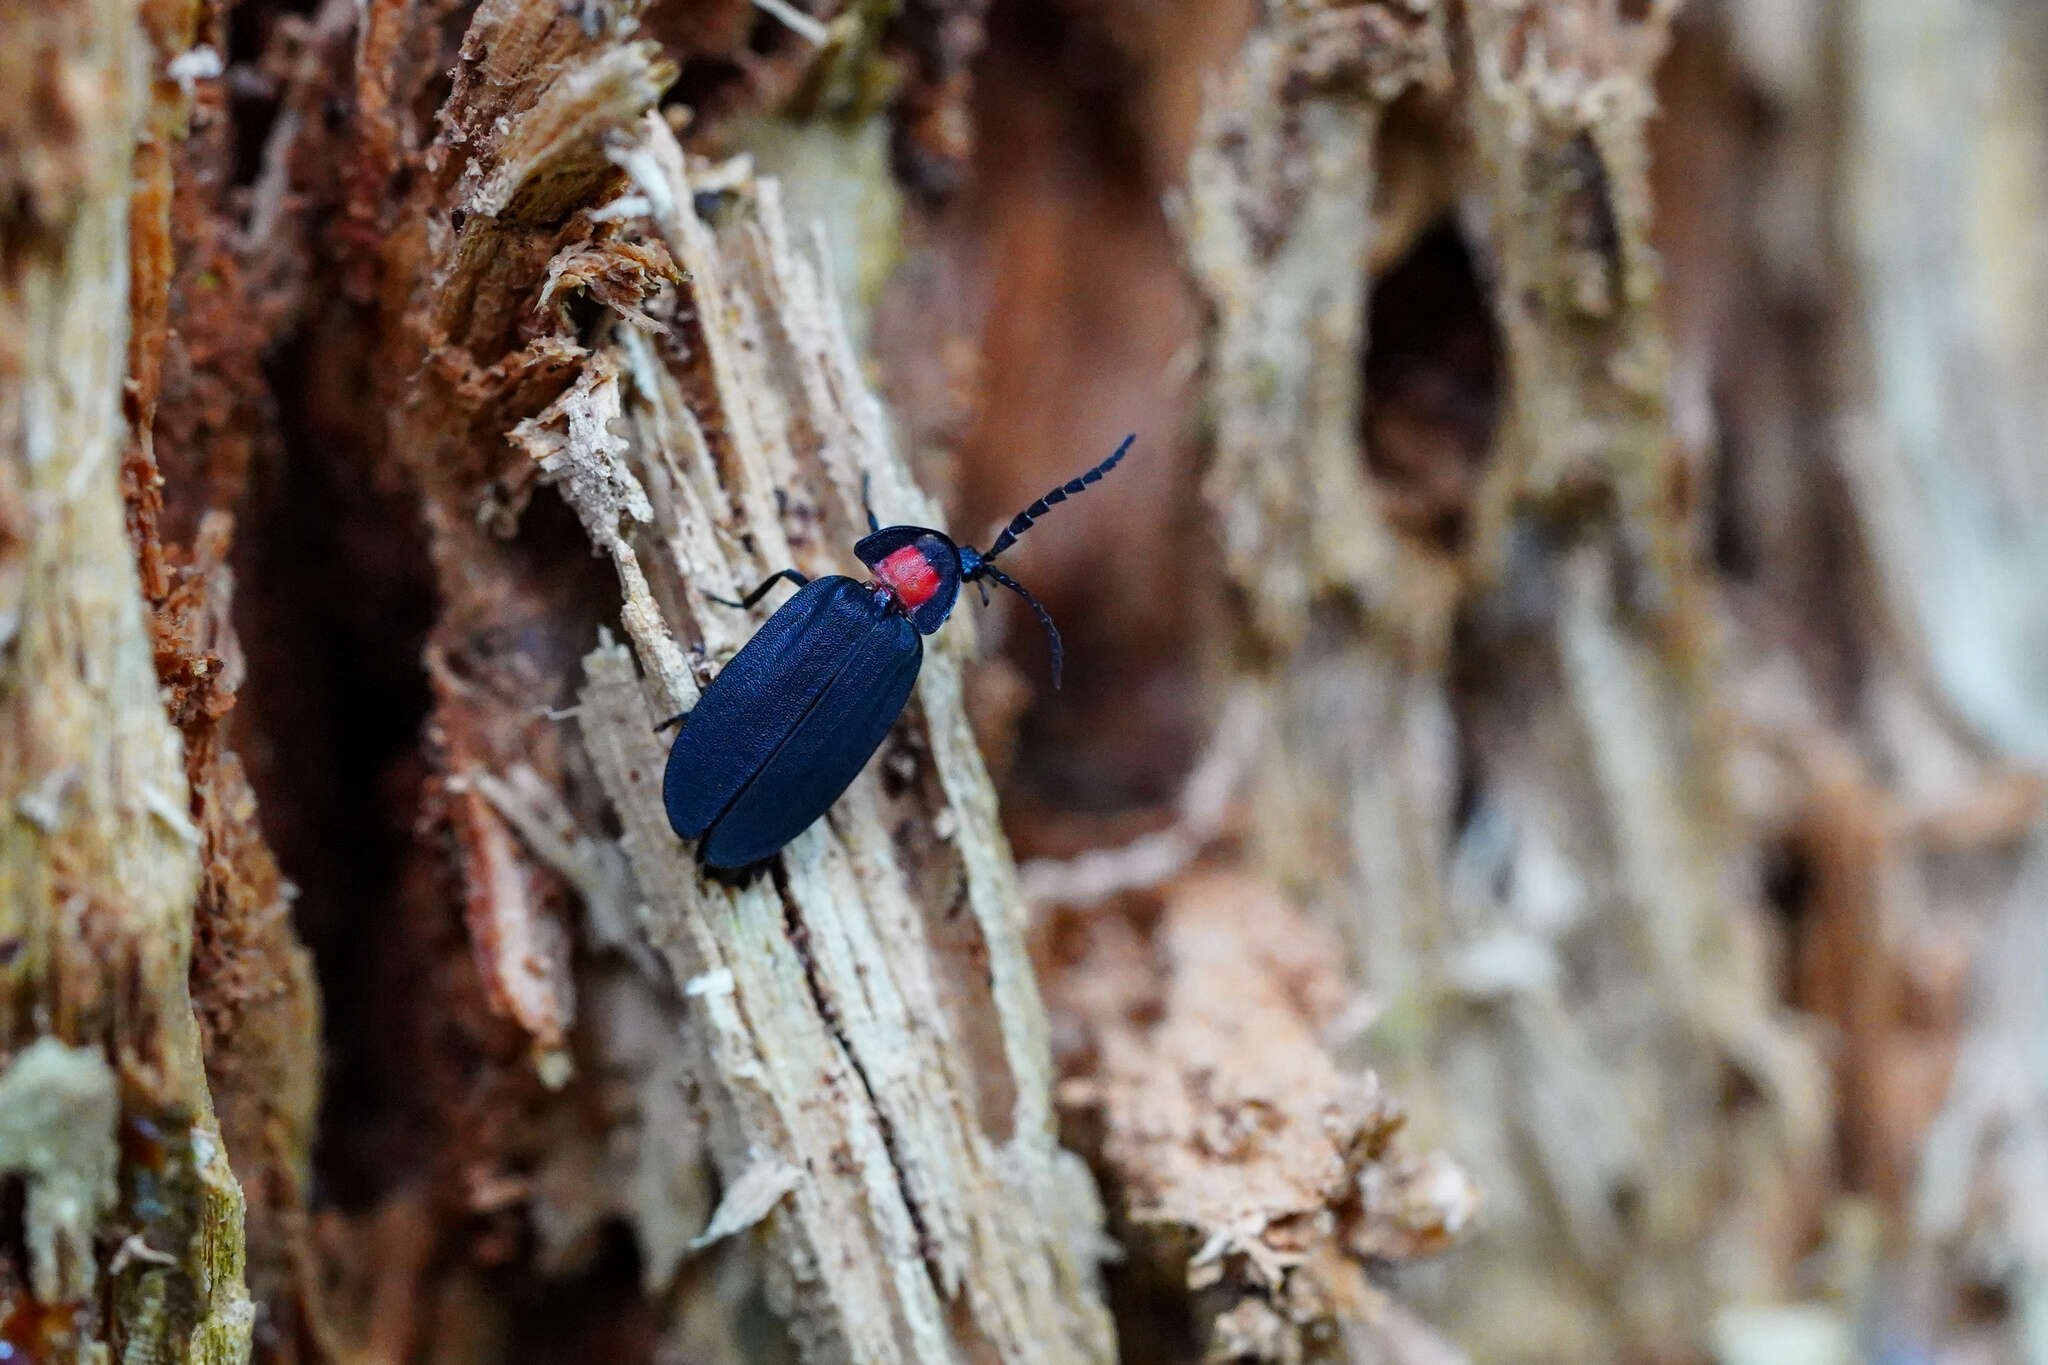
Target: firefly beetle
<point x="798" y="712"/>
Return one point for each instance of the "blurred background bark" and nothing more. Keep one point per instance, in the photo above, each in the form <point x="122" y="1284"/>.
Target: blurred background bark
<point x="1540" y="855"/>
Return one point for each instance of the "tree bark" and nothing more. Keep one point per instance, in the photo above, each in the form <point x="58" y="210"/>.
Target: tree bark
<point x="1586" y="495"/>
<point x="868" y="1017"/>
<point x="109" y="1120"/>
<point x="1522" y="679"/>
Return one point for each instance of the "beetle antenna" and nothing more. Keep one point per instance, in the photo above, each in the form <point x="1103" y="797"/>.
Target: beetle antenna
<point x="1044" y="617"/>
<point x="1021" y="523"/>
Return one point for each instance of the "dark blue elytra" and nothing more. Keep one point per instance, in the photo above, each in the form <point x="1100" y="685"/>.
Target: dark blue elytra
<point x="791" y="721"/>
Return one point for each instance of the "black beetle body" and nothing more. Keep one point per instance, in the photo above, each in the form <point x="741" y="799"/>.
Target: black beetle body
<point x="798" y="712"/>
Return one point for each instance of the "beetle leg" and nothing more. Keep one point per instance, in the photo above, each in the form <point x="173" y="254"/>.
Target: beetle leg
<point x="679" y="719"/>
<point x="757" y="594"/>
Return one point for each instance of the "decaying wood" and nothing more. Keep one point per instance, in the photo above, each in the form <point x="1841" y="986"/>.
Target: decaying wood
<point x="1941" y="454"/>
<point x="202" y="315"/>
<point x="865" y="1023"/>
<point x="99" y="858"/>
<point x="860" y="1034"/>
<point x="1652" y="589"/>
<point x="1248" y="1166"/>
<point x="1279" y="221"/>
<point x="1943" y="458"/>
<point x="1589" y="857"/>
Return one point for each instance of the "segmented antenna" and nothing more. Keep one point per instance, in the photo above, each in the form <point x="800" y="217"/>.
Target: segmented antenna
<point x="1044" y="617"/>
<point x="1021" y="523"/>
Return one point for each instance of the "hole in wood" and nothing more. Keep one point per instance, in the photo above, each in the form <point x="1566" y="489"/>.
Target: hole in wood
<point x="1432" y="374"/>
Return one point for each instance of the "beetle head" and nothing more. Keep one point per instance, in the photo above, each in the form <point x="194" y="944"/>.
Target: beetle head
<point x="925" y="569"/>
